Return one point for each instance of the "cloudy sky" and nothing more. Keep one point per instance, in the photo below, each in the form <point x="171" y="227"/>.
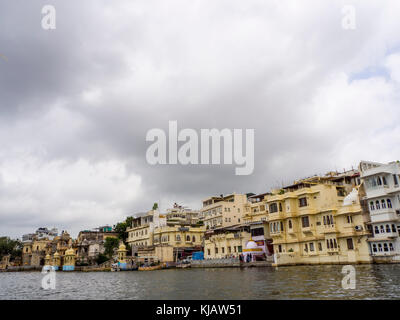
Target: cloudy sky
<point x="76" y="102"/>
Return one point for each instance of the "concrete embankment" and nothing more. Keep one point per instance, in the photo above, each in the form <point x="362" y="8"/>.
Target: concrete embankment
<point x="228" y="263"/>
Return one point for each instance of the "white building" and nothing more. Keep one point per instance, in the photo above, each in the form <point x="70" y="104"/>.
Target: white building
<point x="381" y="185"/>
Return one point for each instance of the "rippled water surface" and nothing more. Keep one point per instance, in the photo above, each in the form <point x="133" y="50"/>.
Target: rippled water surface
<point x="301" y="282"/>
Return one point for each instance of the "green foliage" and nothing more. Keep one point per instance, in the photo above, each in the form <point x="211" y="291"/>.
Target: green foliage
<point x="101" y="258"/>
<point x="121" y="227"/>
<point x="155" y="206"/>
<point x="9" y="246"/>
<point x="109" y="246"/>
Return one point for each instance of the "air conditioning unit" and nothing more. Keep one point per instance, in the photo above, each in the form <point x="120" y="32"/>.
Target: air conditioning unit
<point x="358" y="228"/>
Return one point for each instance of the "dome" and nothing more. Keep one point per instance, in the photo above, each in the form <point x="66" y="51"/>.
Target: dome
<point x="47" y="257"/>
<point x="251" y="245"/>
<point x="122" y="247"/>
<point x="351" y="198"/>
<point x="56" y="254"/>
<point x="69" y="252"/>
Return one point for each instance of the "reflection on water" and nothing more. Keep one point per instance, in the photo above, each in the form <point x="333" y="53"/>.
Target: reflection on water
<point x="300" y="282"/>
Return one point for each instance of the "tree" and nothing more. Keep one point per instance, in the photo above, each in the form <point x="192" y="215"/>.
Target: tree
<point x="9" y="246"/>
<point x="155" y="206"/>
<point x="121" y="227"/>
<point x="109" y="246"/>
<point x="101" y="258"/>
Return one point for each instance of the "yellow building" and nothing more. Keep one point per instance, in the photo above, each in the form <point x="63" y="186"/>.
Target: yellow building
<point x="140" y="233"/>
<point x="318" y="221"/>
<point x="256" y="209"/>
<point x="226" y="242"/>
<point x="223" y="211"/>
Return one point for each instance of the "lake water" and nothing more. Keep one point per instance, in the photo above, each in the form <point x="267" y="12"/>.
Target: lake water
<point x="296" y="282"/>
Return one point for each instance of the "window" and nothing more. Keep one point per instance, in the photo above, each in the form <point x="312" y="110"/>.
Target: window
<point x="311" y="246"/>
<point x="305" y="222"/>
<point x="393" y="228"/>
<point x="327" y="244"/>
<point x="371" y="205"/>
<point x="374" y="247"/>
<point x="384" y="181"/>
<point x="396" y="181"/>
<point x="380" y="247"/>
<point x="389" y="203"/>
<point x="290" y="224"/>
<point x="391" y="246"/>
<point x="302" y="202"/>
<point x="280" y="206"/>
<point x="178" y="237"/>
<point x="379" y="181"/>
<point x="223" y="249"/>
<point x="280" y="248"/>
<point x="281" y="226"/>
<point x="349" y="219"/>
<point x="385" y="247"/>
<point x="273" y="207"/>
<point x="378" y="206"/>
<point x="193" y="239"/>
<point x="306" y="248"/>
<point x="350" y="245"/>
<point x="383" y="204"/>
<point x="382" y="229"/>
<point x="388" y="228"/>
<point x="376" y="230"/>
<point x="187" y="238"/>
<point x="208" y="251"/>
<point x="257" y="232"/>
<point x="216" y="250"/>
<point x="320" y="246"/>
<point x="230" y="249"/>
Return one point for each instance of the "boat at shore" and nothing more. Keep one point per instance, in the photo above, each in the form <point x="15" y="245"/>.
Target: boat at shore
<point x="150" y="268"/>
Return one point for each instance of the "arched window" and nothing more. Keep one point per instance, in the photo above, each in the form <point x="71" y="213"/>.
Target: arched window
<point x="332" y="220"/>
<point x="331" y="243"/>
<point x="380" y="247"/>
<point x="328" y="221"/>
<point x="371" y="205"/>
<point x="178" y="237"/>
<point x="327" y="243"/>
<point x="384" y="181"/>
<point x="391" y="246"/>
<point x="379" y="181"/>
<point x="193" y="239"/>
<point x="334" y="243"/>
<point x="383" y="204"/>
<point x="374" y="247"/>
<point x="324" y="220"/>
<point x="376" y="230"/>
<point x="290" y="224"/>
<point x="393" y="228"/>
<point x="188" y="238"/>
<point x="385" y="247"/>
<point x="382" y="229"/>
<point x="389" y="203"/>
<point x="387" y="228"/>
<point x="281" y="226"/>
<point x="378" y="206"/>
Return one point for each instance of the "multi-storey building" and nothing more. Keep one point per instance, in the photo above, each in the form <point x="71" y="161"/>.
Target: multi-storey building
<point x="382" y="195"/>
<point x="182" y="215"/>
<point x="226" y="242"/>
<point x="319" y="220"/>
<point x="223" y="211"/>
<point x="140" y="233"/>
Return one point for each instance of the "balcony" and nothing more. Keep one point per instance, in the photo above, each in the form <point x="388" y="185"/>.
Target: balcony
<point x="329" y="228"/>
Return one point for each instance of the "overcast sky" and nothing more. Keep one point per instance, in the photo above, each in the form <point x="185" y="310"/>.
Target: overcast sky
<point x="76" y="102"/>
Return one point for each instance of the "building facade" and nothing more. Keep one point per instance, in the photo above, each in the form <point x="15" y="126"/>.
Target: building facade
<point x="319" y="220"/>
<point x="382" y="195"/>
<point x="223" y="211"/>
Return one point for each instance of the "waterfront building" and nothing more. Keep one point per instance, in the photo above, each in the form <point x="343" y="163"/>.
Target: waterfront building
<point x="256" y="217"/>
<point x="69" y="260"/>
<point x="121" y="252"/>
<point x="90" y="243"/>
<point x="382" y="196"/>
<point x="227" y="242"/>
<point x="319" y="220"/>
<point x="174" y="242"/>
<point x="182" y="215"/>
<point x="223" y="211"/>
<point x="140" y="233"/>
<point x="56" y="261"/>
